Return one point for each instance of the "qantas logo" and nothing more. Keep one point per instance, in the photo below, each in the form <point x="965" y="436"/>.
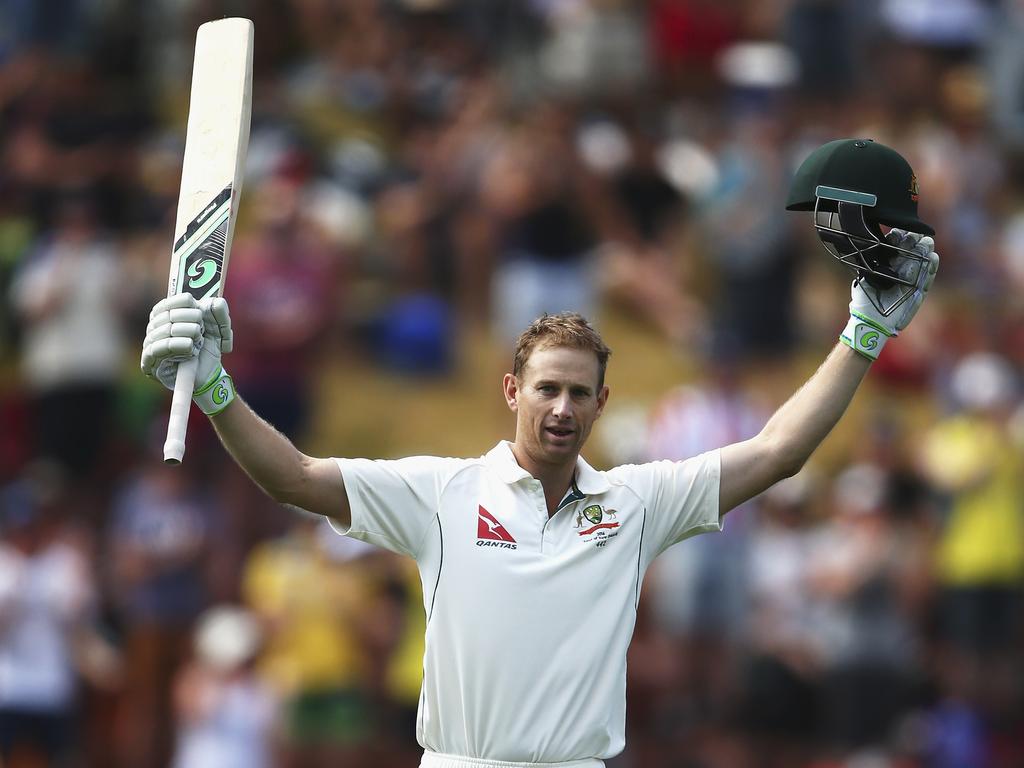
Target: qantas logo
<point x="491" y="533"/>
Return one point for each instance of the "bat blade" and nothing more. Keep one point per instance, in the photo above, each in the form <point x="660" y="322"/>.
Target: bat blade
<point x="211" y="182"/>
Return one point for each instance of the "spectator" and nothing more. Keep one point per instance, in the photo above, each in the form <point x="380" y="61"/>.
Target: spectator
<point x="546" y="261"/>
<point x="285" y="281"/>
<point x="778" y="701"/>
<point x="69" y="287"/>
<point x="643" y="221"/>
<point x="159" y="543"/>
<point x="709" y="596"/>
<point x="226" y="713"/>
<point x="314" y="609"/>
<point x="750" y="246"/>
<point x="47" y="594"/>
<point x="864" y="576"/>
<point x="970" y="458"/>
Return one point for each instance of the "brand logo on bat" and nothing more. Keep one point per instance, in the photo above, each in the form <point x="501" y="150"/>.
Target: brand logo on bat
<point x="201" y="272"/>
<point x="201" y="249"/>
<point x="206" y="212"/>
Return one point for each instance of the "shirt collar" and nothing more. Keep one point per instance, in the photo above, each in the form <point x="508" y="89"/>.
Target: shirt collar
<point x="501" y="459"/>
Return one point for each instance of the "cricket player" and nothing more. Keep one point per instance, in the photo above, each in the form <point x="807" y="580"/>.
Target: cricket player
<point x="531" y="560"/>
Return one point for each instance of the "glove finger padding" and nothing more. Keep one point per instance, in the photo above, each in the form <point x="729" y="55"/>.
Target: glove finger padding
<point x="160" y="358"/>
<point x="174" y="348"/>
<point x="925" y="278"/>
<point x="214" y="388"/>
<point x="868" y="328"/>
<point x="193" y="331"/>
<point x="175" y="316"/>
<point x="916" y="265"/>
<point x="217" y="338"/>
<point x="217" y="318"/>
<point x="181" y="328"/>
<point x="174" y="334"/>
<point x="900" y="238"/>
<point x="166" y="372"/>
<point x="177" y="301"/>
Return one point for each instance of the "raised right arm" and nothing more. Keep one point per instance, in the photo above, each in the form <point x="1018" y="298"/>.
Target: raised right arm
<point x="180" y="328"/>
<point x="278" y="467"/>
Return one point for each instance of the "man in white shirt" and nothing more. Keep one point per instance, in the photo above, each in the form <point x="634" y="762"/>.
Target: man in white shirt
<point x="531" y="560"/>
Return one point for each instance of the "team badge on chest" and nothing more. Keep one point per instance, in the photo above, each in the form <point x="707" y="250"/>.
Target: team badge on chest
<point x="597" y="524"/>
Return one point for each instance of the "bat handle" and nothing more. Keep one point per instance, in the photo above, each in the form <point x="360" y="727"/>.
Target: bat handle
<point x="177" y="424"/>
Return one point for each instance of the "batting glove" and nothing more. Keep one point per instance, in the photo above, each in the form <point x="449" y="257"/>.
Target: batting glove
<point x="181" y="328"/>
<point x="868" y="329"/>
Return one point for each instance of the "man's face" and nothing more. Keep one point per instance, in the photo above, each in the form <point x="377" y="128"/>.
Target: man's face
<point x="556" y="400"/>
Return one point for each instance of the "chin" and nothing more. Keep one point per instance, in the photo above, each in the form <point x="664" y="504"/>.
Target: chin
<point x="560" y="452"/>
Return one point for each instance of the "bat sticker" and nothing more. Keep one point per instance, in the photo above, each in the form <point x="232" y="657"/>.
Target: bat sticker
<point x="200" y="250"/>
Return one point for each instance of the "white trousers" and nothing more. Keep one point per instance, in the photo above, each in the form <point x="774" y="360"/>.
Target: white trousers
<point x="436" y="760"/>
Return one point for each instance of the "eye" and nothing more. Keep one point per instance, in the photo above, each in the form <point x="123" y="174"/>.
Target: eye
<point x="547" y="389"/>
<point x="580" y="394"/>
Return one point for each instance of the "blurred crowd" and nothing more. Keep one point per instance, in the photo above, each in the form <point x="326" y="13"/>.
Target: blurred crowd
<point x="418" y="169"/>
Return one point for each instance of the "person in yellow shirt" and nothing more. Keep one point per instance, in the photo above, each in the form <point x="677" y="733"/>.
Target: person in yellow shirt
<point x="314" y="604"/>
<point x="971" y="458"/>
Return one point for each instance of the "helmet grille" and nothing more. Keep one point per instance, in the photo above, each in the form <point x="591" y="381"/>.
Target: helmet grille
<point x="860" y="245"/>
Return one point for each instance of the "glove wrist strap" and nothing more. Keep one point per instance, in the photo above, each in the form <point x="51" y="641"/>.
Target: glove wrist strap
<point x="864" y="337"/>
<point x="216" y="395"/>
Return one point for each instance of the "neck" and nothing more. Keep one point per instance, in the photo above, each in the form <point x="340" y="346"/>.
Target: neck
<point x="554" y="478"/>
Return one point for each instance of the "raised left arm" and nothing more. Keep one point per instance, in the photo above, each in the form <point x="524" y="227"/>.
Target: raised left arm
<point x="793" y="432"/>
<point x="798" y="427"/>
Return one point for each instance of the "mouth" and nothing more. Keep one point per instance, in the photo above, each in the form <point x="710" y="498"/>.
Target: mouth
<point x="560" y="433"/>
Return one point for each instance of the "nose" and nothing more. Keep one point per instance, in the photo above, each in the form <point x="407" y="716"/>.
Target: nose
<point x="562" y="406"/>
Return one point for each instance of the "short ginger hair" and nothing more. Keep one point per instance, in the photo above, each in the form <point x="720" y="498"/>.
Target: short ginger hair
<point x="566" y="329"/>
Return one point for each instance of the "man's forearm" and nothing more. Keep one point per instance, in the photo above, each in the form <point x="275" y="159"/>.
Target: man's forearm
<point x="278" y="467"/>
<point x="266" y="455"/>
<point x="793" y="432"/>
<point x="802" y="423"/>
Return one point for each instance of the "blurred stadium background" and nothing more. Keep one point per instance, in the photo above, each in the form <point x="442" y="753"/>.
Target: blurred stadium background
<point x="424" y="176"/>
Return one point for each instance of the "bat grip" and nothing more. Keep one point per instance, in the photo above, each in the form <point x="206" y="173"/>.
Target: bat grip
<point x="177" y="424"/>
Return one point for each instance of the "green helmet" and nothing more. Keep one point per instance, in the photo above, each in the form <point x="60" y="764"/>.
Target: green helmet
<point x="854" y="187"/>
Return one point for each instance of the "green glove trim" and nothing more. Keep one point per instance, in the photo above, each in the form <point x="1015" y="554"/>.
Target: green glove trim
<point x="864" y="337"/>
<point x="873" y="323"/>
<point x="216" y="395"/>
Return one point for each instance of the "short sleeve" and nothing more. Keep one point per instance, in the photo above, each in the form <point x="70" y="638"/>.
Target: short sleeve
<point x="394" y="502"/>
<point x="681" y="497"/>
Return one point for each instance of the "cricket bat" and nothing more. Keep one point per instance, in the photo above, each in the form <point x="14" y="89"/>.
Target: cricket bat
<point x="211" y="181"/>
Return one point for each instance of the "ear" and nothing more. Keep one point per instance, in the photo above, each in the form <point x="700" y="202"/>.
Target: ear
<point x="602" y="399"/>
<point x="510" y="388"/>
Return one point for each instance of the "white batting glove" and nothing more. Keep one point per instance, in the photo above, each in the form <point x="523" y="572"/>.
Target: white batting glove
<point x="181" y="328"/>
<point x="868" y="329"/>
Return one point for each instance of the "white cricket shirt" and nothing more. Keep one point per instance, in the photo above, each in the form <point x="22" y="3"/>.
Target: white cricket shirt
<point x="528" y="617"/>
